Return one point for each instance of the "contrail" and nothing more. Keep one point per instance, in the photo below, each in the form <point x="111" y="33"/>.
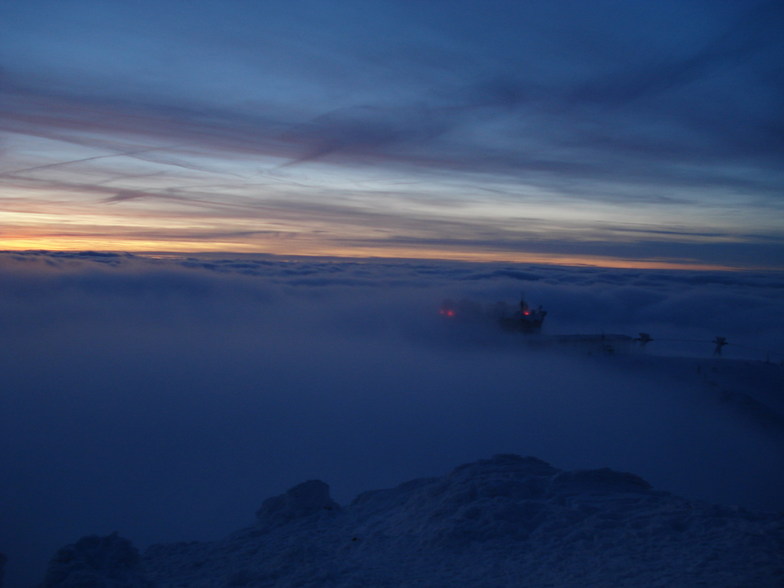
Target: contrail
<point x="61" y="163"/>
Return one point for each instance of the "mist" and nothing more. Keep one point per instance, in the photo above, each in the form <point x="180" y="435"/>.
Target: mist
<point x="165" y="399"/>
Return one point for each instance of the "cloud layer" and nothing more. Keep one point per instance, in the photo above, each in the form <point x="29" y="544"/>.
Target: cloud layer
<point x="164" y="398"/>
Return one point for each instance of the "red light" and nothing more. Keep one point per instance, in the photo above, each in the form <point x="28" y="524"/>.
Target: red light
<point x="526" y="312"/>
<point x="447" y="312"/>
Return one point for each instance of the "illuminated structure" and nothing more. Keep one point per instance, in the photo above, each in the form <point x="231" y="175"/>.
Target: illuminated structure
<point x="527" y="319"/>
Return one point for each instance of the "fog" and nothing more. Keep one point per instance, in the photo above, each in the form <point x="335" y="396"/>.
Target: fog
<point x="165" y="399"/>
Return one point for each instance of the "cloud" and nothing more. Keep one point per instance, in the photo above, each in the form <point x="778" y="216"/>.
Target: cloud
<point x="446" y="127"/>
<point x="387" y="126"/>
<point x="166" y="397"/>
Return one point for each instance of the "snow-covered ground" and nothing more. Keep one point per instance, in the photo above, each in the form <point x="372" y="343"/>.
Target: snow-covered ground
<point x="504" y="521"/>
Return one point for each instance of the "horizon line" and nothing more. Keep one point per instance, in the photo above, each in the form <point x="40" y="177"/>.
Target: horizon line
<point x="476" y="257"/>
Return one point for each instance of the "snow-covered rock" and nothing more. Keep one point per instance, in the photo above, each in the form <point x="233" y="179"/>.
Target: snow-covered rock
<point x="305" y="499"/>
<point x="505" y="521"/>
<point x="97" y="562"/>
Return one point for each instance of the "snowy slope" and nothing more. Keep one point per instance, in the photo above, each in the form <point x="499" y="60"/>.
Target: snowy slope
<point x="505" y="521"/>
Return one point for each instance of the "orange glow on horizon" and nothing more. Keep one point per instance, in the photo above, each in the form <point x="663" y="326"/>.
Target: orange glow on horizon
<point x="311" y="248"/>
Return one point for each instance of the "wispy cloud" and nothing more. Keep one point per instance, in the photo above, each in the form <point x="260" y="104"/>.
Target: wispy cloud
<point x="361" y="122"/>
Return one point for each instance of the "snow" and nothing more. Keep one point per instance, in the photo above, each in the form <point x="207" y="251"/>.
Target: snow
<point x="504" y="521"/>
<point x="304" y="499"/>
<point x="96" y="561"/>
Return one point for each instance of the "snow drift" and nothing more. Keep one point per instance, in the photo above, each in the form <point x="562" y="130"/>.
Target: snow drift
<point x="505" y="521"/>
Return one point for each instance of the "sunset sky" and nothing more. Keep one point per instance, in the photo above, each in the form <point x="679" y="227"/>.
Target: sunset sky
<point x="617" y="133"/>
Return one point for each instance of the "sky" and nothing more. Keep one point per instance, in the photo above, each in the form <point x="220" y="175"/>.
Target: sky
<point x="610" y="133"/>
<point x="165" y="398"/>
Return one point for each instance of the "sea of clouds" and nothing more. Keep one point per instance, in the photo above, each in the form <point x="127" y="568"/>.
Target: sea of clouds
<point x="166" y="397"/>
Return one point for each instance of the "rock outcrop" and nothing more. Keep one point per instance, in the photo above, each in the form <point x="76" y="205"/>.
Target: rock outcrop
<point x="505" y="521"/>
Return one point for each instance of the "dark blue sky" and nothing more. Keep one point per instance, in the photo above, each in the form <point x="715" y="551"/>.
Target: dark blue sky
<point x="614" y="133"/>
